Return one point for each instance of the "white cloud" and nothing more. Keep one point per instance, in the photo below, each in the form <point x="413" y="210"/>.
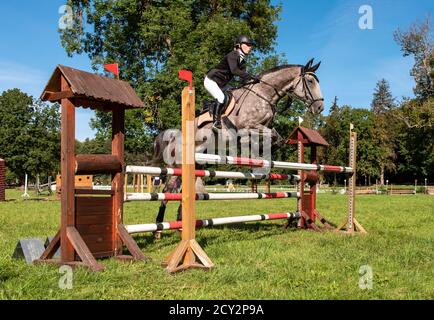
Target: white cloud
<point x="23" y="77"/>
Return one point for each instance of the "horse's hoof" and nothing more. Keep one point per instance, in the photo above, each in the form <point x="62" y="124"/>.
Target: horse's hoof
<point x="157" y="235"/>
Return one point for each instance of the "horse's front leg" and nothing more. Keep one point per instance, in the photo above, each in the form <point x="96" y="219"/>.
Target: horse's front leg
<point x="172" y="186"/>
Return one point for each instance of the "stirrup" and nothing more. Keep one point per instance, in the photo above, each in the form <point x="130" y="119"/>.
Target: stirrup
<point x="216" y="126"/>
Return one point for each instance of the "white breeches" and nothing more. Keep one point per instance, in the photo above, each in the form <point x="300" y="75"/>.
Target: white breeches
<point x="212" y="87"/>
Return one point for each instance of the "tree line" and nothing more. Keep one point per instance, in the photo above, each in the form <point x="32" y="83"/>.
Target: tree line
<point x="152" y="40"/>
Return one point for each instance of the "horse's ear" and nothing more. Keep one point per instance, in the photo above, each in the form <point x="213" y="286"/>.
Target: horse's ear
<point x="308" y="65"/>
<point x="315" y="67"/>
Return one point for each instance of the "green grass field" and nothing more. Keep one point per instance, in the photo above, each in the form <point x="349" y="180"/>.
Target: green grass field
<point x="253" y="261"/>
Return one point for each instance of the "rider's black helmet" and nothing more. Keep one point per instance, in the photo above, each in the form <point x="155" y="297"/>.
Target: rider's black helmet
<point x="244" y="39"/>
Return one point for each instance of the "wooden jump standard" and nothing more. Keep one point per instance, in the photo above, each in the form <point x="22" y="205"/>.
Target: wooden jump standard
<point x="188" y="254"/>
<point x="91" y="223"/>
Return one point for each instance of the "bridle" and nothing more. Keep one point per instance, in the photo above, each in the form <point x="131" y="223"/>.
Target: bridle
<point x="308" y="96"/>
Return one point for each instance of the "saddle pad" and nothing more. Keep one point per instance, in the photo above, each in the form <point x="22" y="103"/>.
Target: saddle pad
<point x="205" y="118"/>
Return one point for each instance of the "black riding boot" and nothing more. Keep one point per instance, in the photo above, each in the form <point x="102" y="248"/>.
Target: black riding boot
<point x="217" y="116"/>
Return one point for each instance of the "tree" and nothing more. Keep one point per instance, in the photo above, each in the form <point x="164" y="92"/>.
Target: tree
<point x="383" y="99"/>
<point x="415" y="135"/>
<point x="29" y="135"/>
<point x="336" y="132"/>
<point x="418" y="41"/>
<point x="382" y="105"/>
<point x="152" y="40"/>
<point x="44" y="132"/>
<point x="15" y="114"/>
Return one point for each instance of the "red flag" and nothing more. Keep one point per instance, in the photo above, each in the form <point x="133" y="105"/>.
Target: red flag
<point x="113" y="68"/>
<point x="186" y="75"/>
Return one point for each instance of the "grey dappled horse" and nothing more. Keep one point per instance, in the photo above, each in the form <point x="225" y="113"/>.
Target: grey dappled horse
<point x="254" y="109"/>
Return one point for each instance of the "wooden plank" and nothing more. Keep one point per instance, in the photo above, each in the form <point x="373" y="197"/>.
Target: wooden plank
<point x="89" y="206"/>
<point x="118" y="138"/>
<point x="68" y="174"/>
<point x="52" y="247"/>
<point x="131" y="245"/>
<point x="98" y="242"/>
<point x="93" y="192"/>
<point x="91" y="229"/>
<point x="95" y="220"/>
<point x="56" y="96"/>
<point x="82" y="250"/>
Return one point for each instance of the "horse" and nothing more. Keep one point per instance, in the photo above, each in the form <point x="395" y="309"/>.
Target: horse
<point x="251" y="108"/>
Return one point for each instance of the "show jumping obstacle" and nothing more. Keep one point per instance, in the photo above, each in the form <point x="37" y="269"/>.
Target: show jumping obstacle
<point x="189" y="254"/>
<point x="92" y="220"/>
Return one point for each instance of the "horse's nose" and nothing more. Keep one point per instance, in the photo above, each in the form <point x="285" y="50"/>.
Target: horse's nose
<point x="317" y="107"/>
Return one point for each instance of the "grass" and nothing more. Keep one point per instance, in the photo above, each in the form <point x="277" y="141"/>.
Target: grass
<point x="253" y="261"/>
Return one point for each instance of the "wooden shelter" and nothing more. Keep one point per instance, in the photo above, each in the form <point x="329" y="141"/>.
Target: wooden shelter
<point x="91" y="220"/>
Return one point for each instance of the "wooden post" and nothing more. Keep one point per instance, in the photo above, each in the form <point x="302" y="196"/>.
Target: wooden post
<point x="119" y="232"/>
<point x="149" y="183"/>
<point x="188" y="253"/>
<point x="304" y="201"/>
<point x="350" y="224"/>
<point x="118" y="136"/>
<point x="300" y="185"/>
<point x="67" y="168"/>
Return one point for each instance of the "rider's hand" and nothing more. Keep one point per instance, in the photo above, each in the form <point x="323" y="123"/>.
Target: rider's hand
<point x="252" y="80"/>
<point x="255" y="79"/>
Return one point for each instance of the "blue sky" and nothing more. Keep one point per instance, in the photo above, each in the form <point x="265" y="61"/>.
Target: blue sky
<point x="353" y="60"/>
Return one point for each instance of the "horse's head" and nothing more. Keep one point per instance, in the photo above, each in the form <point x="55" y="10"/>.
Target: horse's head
<point x="307" y="88"/>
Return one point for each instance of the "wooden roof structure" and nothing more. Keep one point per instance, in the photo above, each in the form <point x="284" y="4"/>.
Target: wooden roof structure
<point x="90" y="90"/>
<point x="310" y="137"/>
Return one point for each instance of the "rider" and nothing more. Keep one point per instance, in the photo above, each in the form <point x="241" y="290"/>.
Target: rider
<point x="233" y="64"/>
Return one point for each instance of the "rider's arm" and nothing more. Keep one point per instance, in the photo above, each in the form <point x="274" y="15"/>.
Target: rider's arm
<point x="236" y="70"/>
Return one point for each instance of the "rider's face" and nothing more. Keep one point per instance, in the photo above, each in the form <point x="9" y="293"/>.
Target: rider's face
<point x="246" y="48"/>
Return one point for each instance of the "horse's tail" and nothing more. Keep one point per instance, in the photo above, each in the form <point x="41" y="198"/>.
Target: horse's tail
<point x="165" y="139"/>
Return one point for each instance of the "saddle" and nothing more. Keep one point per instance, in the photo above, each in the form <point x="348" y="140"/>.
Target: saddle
<point x="205" y="116"/>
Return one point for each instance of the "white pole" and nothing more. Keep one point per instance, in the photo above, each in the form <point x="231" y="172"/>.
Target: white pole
<point x="138" y="228"/>
<point x="216" y="159"/>
<point x="25" y="195"/>
<point x="209" y="196"/>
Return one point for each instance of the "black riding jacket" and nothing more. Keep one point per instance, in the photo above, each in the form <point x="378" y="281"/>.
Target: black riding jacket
<point x="233" y="64"/>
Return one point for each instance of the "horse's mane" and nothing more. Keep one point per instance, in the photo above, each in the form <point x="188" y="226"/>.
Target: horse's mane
<point x="278" y="68"/>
